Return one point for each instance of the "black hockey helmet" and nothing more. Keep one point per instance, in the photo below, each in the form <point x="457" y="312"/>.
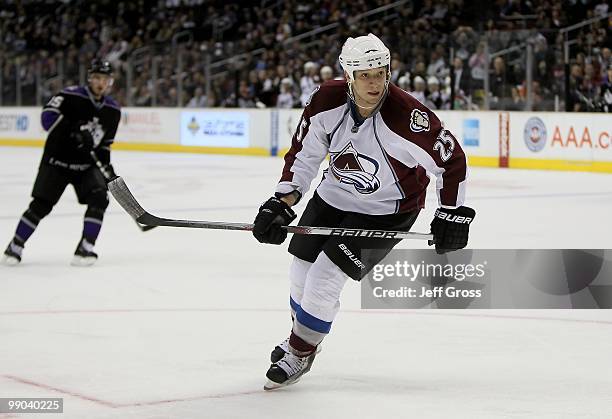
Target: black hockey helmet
<point x="101" y="67"/>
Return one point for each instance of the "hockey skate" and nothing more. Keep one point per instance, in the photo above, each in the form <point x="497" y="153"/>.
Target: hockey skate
<point x="281" y="349"/>
<point x="288" y="370"/>
<point x="84" y="254"/>
<point x="12" y="254"/>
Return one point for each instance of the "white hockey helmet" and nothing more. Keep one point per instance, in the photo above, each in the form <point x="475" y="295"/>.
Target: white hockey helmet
<point x="364" y="53"/>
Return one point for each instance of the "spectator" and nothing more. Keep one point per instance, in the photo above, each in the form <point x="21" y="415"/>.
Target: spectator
<point x="419" y="89"/>
<point x="397" y="69"/>
<point x="461" y="77"/>
<point x="172" y="98"/>
<point x="61" y="34"/>
<point x="543" y="77"/>
<point x="245" y="98"/>
<point x="404" y="83"/>
<point x="516" y="103"/>
<point x="419" y="70"/>
<point x="605" y="58"/>
<point x="437" y="66"/>
<point x="326" y="74"/>
<point x="286" y="99"/>
<point x="143" y="96"/>
<point x="478" y="66"/>
<point x="575" y="84"/>
<point x="199" y="99"/>
<point x="267" y="93"/>
<point x="605" y="95"/>
<point x="308" y="82"/>
<point x="501" y="82"/>
<point x="436" y="99"/>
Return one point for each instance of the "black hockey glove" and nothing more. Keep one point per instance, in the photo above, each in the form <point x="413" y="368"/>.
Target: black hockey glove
<point x="84" y="140"/>
<point x="273" y="214"/>
<point x="450" y="228"/>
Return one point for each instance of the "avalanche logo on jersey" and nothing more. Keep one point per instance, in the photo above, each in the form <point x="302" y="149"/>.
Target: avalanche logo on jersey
<point x="419" y="121"/>
<point x="95" y="129"/>
<point x="353" y="168"/>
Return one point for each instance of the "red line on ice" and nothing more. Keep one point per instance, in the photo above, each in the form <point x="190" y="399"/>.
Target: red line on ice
<point x="193" y="398"/>
<point x="132" y="404"/>
<point x="60" y="390"/>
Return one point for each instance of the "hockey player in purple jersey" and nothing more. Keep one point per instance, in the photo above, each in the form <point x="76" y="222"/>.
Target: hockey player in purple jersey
<point x="382" y="145"/>
<point x="79" y="120"/>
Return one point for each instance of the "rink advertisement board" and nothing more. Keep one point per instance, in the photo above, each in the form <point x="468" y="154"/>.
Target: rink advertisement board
<point x="530" y="140"/>
<point x="21" y="124"/>
<point x="215" y="129"/>
<point x="148" y="125"/>
<point x="490" y="279"/>
<point x="547" y="140"/>
<point x="476" y="132"/>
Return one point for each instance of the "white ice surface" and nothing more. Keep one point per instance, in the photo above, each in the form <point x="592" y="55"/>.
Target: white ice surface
<point x="179" y="323"/>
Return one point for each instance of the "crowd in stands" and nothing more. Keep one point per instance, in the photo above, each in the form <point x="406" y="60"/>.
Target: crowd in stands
<point x="438" y="48"/>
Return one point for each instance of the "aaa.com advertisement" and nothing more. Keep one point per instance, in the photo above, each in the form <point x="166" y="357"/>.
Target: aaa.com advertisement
<point x="215" y="129"/>
<point x="546" y="135"/>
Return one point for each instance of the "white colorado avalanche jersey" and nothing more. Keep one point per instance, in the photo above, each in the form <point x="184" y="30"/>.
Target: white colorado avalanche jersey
<point x="379" y="165"/>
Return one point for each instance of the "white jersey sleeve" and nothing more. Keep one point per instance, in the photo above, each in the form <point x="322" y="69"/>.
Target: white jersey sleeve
<point x="310" y="143"/>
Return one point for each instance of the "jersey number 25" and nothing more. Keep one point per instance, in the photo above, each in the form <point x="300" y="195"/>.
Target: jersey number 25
<point x="445" y="145"/>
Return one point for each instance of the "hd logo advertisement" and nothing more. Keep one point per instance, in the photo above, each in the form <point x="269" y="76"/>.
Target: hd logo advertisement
<point x="215" y="129"/>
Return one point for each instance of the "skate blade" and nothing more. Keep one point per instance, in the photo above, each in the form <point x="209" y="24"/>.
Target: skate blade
<point x="83" y="261"/>
<point x="10" y="260"/>
<point x="271" y="385"/>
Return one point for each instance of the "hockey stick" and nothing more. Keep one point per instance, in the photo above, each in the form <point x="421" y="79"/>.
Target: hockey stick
<point x="107" y="178"/>
<point x="122" y="194"/>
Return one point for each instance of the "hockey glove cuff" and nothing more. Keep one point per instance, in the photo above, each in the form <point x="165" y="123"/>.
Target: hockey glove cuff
<point x="450" y="228"/>
<point x="273" y="214"/>
<point x="296" y="194"/>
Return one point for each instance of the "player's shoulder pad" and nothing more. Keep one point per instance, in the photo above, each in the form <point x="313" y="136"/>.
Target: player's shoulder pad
<point x="112" y="103"/>
<point x="408" y="117"/>
<point x="329" y="95"/>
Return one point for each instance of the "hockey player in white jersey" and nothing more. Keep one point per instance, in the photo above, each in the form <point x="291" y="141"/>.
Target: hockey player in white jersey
<point x="382" y="143"/>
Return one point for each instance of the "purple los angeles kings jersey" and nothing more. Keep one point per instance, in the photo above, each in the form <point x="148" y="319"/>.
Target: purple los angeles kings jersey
<point x="75" y="109"/>
<point x="379" y="165"/>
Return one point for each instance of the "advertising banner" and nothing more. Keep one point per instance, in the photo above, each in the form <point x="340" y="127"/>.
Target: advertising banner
<point x="215" y="129"/>
<point x="148" y="125"/>
<point x="576" y="137"/>
<point x="21" y="123"/>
